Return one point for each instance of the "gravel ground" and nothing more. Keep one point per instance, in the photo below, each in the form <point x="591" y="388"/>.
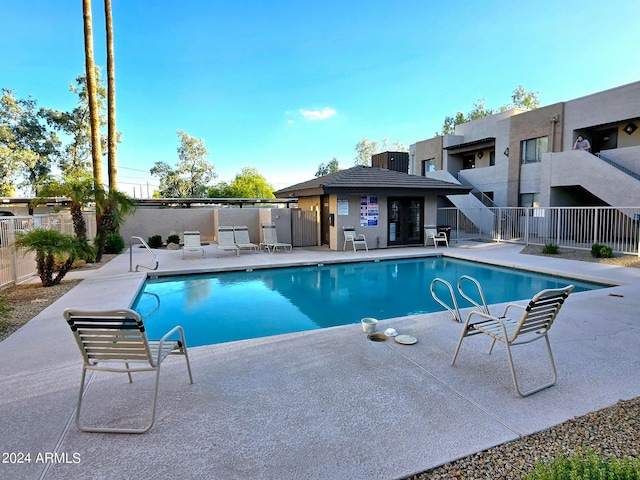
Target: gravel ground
<point x="612" y="431"/>
<point x="27" y="300"/>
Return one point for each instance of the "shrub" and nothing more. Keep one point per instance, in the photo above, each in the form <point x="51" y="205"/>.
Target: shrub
<point x="50" y="246"/>
<point x="606" y="252"/>
<point x="550" y="248"/>
<point x="595" y="250"/>
<point x="114" y="243"/>
<point x="173" y="239"/>
<point x="155" y="241"/>
<point x="586" y="466"/>
<point x="601" y="251"/>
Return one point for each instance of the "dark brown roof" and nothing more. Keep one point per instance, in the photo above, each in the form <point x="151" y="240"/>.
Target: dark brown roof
<point x="475" y="143"/>
<point x="361" y="179"/>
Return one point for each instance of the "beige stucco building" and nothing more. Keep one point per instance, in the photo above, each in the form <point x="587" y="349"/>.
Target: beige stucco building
<point x="526" y="158"/>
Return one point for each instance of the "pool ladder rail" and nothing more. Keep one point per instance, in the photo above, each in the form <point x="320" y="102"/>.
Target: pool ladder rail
<point x="453" y="309"/>
<point x="155" y="257"/>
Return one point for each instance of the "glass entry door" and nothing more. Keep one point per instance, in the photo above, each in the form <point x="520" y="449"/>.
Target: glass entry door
<point x="405" y="221"/>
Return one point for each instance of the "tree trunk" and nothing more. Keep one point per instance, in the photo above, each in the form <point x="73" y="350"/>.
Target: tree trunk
<point x="45" y="265"/>
<point x="79" y="225"/>
<point x="66" y="266"/>
<point x="92" y="92"/>
<point x="106" y="226"/>
<point x="112" y="165"/>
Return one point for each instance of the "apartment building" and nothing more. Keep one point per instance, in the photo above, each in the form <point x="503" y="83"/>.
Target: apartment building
<point x="526" y="158"/>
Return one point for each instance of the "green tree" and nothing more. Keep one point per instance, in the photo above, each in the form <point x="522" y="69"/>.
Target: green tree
<point x="28" y="149"/>
<point x="75" y="157"/>
<point x="192" y="174"/>
<point x="529" y="100"/>
<point x="220" y="190"/>
<point x="51" y="246"/>
<point x="449" y="124"/>
<point x="247" y="184"/>
<point x="520" y="98"/>
<point x="250" y="184"/>
<point x="79" y="190"/>
<point x="366" y="148"/>
<point x="331" y="166"/>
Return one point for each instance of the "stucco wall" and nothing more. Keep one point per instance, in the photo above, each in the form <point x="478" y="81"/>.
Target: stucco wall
<point x="532" y="124"/>
<point x="492" y="178"/>
<point x="426" y="150"/>
<point x="566" y="169"/>
<point x="376" y="235"/>
<point x="146" y="222"/>
<point x="610" y="106"/>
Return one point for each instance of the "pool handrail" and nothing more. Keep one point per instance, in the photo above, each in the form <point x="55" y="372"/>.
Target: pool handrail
<point x="154" y="309"/>
<point x="483" y="308"/>
<point x="454" y="311"/>
<point x="155" y="257"/>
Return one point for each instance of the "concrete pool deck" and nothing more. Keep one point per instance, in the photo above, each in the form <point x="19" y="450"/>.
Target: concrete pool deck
<point x="320" y="404"/>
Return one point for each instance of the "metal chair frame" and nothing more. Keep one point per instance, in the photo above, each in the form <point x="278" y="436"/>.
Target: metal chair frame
<point x="536" y="320"/>
<point x="115" y="341"/>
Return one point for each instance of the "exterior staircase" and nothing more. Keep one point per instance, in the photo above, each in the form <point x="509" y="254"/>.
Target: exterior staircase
<point x="609" y="181"/>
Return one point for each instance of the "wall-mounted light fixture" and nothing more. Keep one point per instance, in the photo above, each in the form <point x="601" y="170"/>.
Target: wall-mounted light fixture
<point x="630" y="128"/>
<point x="480" y="154"/>
<point x="506" y="152"/>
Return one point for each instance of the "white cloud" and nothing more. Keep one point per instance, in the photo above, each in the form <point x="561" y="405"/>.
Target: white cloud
<point x="318" y="114"/>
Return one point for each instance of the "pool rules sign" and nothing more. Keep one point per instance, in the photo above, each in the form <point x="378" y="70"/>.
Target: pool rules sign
<point x="369" y="211"/>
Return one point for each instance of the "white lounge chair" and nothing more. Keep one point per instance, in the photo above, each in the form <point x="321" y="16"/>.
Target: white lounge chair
<point x="192" y="243"/>
<point x="116" y="341"/>
<point x="270" y="239"/>
<point x="242" y="239"/>
<point x="226" y="240"/>
<point x="535" y="322"/>
<point x="350" y="235"/>
<point x="431" y="233"/>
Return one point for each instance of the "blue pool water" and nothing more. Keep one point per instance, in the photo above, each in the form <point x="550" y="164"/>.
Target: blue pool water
<point x="223" y="307"/>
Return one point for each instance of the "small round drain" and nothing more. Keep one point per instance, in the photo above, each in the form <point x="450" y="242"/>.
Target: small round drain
<point x="377" y="337"/>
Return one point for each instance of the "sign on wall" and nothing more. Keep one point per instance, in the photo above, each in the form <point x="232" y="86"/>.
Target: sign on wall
<point x="343" y="206"/>
<point x="369" y="211"/>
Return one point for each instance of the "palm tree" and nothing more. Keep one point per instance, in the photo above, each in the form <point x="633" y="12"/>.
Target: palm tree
<point x="51" y="246"/>
<point x="111" y="207"/>
<point x="112" y="167"/>
<point x="92" y="87"/>
<point x="79" y="190"/>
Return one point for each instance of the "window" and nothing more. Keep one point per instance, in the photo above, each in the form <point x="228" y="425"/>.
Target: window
<point x="492" y="158"/>
<point x="529" y="200"/>
<point x="428" y="166"/>
<point x="533" y="149"/>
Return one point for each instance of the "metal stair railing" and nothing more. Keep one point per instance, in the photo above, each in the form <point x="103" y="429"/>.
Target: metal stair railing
<point x="486" y="201"/>
<point x="155" y="257"/>
<point x="622" y="168"/>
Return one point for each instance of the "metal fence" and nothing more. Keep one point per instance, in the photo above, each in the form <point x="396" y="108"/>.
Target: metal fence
<point x="15" y="264"/>
<point x="571" y="227"/>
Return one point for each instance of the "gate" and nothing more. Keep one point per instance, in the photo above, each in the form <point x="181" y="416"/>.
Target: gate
<point x="304" y="228"/>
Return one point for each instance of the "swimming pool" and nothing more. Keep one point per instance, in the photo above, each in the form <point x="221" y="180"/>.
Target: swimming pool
<point x="229" y="306"/>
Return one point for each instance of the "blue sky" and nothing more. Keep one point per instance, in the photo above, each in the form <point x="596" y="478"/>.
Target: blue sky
<point x="283" y="86"/>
